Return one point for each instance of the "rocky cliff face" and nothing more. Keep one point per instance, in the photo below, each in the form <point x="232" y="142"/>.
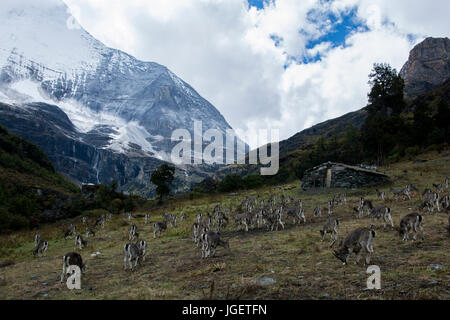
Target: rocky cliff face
<point x="428" y="66"/>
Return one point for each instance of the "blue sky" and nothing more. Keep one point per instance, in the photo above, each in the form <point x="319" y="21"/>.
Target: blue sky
<point x="342" y="26"/>
<point x="256" y="3"/>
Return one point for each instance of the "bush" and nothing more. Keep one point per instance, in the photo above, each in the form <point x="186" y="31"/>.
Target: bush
<point x="230" y="183"/>
<point x="412" y="152"/>
<point x="253" y="181"/>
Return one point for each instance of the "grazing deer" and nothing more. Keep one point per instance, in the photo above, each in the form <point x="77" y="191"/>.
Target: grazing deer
<point x="430" y="199"/>
<point x="80" y="242"/>
<point x="147" y="218"/>
<point x="447" y="182"/>
<point x="317" y="212"/>
<point x="182" y="217"/>
<point x="41" y="248"/>
<point x="401" y="192"/>
<point x="109" y="216"/>
<point x="84" y="220"/>
<point x="132" y="232"/>
<point x="211" y="240"/>
<point x="359" y="241"/>
<point x="381" y="194"/>
<point x="133" y="252"/>
<point x="159" y="227"/>
<point x="410" y="223"/>
<point x="331" y="226"/>
<point x="129" y="216"/>
<point x="381" y="212"/>
<point x="72" y="259"/>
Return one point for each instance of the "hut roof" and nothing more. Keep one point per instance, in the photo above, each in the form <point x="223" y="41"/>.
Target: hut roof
<point x="329" y="164"/>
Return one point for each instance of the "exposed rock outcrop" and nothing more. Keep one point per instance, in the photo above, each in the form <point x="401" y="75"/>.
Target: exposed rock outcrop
<point x="428" y="66"/>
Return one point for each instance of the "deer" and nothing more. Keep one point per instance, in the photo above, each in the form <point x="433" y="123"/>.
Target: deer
<point x="296" y="212"/>
<point x="159" y="227"/>
<point x="365" y="205"/>
<point x="439" y="188"/>
<point x="197" y="230"/>
<point x="317" y="212"/>
<point x="359" y="241"/>
<point x="37" y="238"/>
<point x="132" y="232"/>
<point x="410" y="223"/>
<point x="70" y="231"/>
<point x="80" y="242"/>
<point x="41" y="248"/>
<point x="133" y="252"/>
<point x="211" y="240"/>
<point x="381" y="212"/>
<point x="430" y="199"/>
<point x="170" y="218"/>
<point x="381" y="194"/>
<point x="89" y="232"/>
<point x="72" y="259"/>
<point x="331" y="226"/>
<point x="147" y="218"/>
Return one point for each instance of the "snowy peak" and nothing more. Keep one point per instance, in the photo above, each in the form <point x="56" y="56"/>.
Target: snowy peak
<point x="46" y="56"/>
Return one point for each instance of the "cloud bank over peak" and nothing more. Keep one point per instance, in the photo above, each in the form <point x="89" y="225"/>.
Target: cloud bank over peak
<point x="283" y="64"/>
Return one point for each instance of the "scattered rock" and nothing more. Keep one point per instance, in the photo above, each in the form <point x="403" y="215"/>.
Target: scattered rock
<point x="34" y="277"/>
<point x="265" y="281"/>
<point x="319" y="263"/>
<point x="433" y="283"/>
<point x="420" y="161"/>
<point x="45" y="284"/>
<point x="326" y="295"/>
<point x="45" y="294"/>
<point x="435" y="267"/>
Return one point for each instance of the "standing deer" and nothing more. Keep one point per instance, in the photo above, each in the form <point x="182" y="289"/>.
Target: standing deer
<point x="359" y="241"/>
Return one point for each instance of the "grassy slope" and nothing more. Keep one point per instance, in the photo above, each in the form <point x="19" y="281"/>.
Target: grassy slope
<point x="303" y="267"/>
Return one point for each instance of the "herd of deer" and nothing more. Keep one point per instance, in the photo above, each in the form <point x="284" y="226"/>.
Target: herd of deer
<point x="254" y="212"/>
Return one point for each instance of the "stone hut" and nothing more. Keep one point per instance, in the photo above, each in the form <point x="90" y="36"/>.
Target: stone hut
<point x="338" y="175"/>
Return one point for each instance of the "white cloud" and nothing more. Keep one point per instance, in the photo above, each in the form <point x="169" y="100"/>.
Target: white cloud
<point x="225" y="51"/>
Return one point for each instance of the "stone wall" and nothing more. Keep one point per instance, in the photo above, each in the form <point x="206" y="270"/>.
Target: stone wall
<point x="341" y="177"/>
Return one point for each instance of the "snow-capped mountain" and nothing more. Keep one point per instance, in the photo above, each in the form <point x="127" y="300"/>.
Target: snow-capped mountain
<point x="115" y="102"/>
